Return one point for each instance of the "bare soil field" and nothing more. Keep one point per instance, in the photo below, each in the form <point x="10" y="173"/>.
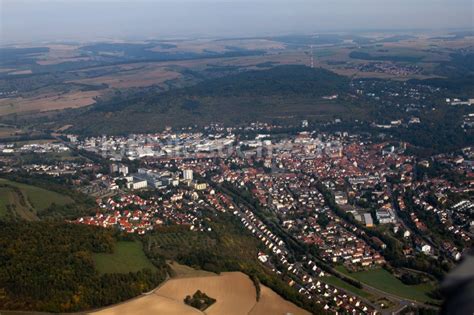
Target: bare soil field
<point x="150" y="304"/>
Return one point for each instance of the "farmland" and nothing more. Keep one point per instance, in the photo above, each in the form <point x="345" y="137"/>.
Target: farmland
<point x="27" y="200"/>
<point x="385" y="281"/>
<point x="272" y="303"/>
<point x="149" y="304"/>
<point x="234" y="292"/>
<point x="127" y="257"/>
<point x="47" y="101"/>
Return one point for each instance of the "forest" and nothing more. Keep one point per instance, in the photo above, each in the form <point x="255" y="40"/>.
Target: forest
<point x="283" y="92"/>
<point x="58" y="256"/>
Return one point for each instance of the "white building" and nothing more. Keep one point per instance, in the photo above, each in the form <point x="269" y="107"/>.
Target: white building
<point x="426" y="249"/>
<point x="140" y="184"/>
<point x="123" y="169"/>
<point x="188" y="175"/>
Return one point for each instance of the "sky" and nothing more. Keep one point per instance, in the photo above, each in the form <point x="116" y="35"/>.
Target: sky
<point x="84" y="20"/>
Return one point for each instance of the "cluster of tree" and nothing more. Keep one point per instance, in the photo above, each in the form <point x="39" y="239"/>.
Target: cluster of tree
<point x="47" y="266"/>
<point x="232" y="99"/>
<point x="199" y="300"/>
<point x="411" y="279"/>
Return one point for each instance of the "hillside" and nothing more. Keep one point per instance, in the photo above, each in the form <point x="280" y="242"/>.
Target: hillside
<point x="25" y="201"/>
<point x="58" y="256"/>
<point x="280" y="93"/>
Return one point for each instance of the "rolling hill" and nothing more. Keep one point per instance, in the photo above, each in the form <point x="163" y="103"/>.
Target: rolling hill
<point x="281" y="93"/>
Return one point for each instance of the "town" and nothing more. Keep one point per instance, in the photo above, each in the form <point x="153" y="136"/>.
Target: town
<point x="357" y="203"/>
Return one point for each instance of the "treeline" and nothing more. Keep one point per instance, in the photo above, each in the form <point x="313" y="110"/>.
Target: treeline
<point x="366" y="56"/>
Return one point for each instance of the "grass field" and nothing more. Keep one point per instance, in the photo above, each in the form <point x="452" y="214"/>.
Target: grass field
<point x="127" y="257"/>
<point x="346" y="286"/>
<point x="27" y="200"/>
<point x="385" y="281"/>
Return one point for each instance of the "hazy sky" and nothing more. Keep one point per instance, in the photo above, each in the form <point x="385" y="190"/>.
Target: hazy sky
<point x="26" y="20"/>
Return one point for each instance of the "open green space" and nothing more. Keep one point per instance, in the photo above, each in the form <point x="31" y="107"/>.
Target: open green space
<point x="127" y="257"/>
<point x="36" y="197"/>
<point x="385" y="281"/>
<point x="335" y="281"/>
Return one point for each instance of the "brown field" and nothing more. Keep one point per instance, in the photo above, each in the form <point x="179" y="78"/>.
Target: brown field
<point x="272" y="303"/>
<point x="234" y="292"/>
<point x="136" y="75"/>
<point x="46" y="102"/>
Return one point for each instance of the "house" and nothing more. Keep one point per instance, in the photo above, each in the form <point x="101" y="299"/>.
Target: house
<point x="368" y="220"/>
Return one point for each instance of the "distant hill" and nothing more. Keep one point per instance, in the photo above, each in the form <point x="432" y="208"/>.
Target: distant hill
<point x="283" y="92"/>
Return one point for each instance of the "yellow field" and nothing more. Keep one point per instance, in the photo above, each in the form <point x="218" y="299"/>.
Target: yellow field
<point x="46" y="102"/>
<point x="150" y="304"/>
<point x="234" y="292"/>
<point x="272" y="303"/>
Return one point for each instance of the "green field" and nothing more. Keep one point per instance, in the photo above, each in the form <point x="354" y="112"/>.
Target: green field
<point x="127" y="257"/>
<point x="24" y="201"/>
<point x="335" y="281"/>
<point x="385" y="281"/>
